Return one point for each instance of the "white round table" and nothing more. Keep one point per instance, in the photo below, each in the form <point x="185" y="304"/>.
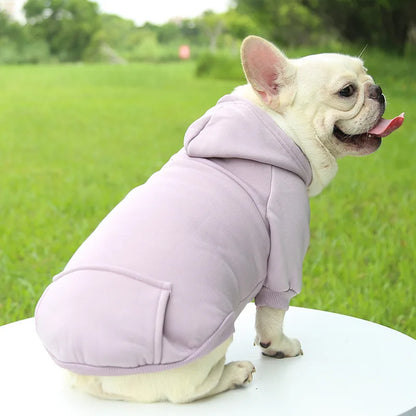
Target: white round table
<point x="349" y="367"/>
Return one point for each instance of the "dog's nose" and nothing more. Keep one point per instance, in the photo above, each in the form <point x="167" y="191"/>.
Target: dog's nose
<point x="376" y="93"/>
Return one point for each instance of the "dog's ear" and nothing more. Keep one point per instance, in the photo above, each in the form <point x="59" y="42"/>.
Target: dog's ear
<point x="266" y="68"/>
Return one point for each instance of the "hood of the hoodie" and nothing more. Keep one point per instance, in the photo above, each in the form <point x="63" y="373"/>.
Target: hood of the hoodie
<point x="237" y="128"/>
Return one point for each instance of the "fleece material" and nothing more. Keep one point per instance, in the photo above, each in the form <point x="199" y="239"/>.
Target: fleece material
<point x="162" y="279"/>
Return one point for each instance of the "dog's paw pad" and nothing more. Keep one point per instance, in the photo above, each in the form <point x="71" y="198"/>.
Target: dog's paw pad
<point x="287" y="347"/>
<point x="277" y="354"/>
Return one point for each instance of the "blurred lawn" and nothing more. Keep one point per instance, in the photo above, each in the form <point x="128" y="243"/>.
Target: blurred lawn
<point x="75" y="139"/>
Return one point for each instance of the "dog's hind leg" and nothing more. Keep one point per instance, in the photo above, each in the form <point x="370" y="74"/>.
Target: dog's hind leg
<point x="199" y="379"/>
<point x="234" y="374"/>
<point x="219" y="378"/>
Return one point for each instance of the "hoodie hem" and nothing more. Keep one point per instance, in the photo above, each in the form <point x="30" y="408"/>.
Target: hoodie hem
<point x="273" y="299"/>
<point x="225" y="331"/>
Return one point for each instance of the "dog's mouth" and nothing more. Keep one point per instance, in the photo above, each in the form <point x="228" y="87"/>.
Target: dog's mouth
<point x="372" y="138"/>
<point x="358" y="140"/>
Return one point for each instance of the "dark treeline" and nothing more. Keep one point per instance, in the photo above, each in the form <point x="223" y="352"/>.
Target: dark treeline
<point x="387" y="24"/>
<point x="74" y="30"/>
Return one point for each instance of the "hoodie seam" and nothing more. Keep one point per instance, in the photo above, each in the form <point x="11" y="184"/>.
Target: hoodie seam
<point x="272" y="173"/>
<point x="233" y="110"/>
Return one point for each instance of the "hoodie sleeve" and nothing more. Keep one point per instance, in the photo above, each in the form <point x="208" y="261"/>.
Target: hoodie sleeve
<point x="288" y="217"/>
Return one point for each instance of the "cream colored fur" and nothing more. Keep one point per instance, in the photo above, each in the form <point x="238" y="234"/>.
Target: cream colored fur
<point x="303" y="97"/>
<point x="202" y="378"/>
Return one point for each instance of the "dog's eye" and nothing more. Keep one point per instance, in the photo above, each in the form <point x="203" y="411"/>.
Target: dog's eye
<point x="347" y="91"/>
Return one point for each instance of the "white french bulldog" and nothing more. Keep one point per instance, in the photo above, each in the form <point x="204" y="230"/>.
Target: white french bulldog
<point x="330" y="107"/>
<point x="327" y="103"/>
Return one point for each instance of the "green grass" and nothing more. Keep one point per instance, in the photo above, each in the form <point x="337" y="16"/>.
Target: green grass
<point x="75" y="139"/>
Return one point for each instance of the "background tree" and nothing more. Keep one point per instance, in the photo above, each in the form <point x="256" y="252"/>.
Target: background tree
<point x="239" y="25"/>
<point x="383" y="23"/>
<point x="387" y="24"/>
<point x="287" y="22"/>
<point x="17" y="45"/>
<point x="232" y="24"/>
<point x="68" y="26"/>
<point x="213" y="26"/>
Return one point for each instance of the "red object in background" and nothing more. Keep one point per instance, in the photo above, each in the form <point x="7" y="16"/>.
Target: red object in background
<point x="184" y="52"/>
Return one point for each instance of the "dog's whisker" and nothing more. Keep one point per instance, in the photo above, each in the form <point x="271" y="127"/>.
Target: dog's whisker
<point x="363" y="50"/>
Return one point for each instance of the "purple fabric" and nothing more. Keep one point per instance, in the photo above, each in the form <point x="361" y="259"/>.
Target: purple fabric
<point x="162" y="279"/>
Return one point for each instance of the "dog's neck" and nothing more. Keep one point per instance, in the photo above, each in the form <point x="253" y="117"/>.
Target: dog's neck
<point x="323" y="163"/>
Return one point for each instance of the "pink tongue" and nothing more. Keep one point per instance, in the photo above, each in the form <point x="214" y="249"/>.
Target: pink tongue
<point x="385" y="127"/>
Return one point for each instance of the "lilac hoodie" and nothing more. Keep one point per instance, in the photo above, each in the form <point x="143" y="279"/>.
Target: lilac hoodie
<point x="162" y="279"/>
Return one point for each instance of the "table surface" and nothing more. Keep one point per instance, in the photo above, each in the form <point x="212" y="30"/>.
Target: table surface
<point x="349" y="367"/>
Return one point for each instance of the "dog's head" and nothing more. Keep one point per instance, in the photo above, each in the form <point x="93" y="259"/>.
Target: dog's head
<point x="327" y="99"/>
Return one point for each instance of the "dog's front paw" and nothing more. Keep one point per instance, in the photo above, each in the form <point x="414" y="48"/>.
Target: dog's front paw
<point x="280" y="348"/>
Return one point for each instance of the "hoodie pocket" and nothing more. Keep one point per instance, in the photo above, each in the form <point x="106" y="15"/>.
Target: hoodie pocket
<point x="95" y="317"/>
